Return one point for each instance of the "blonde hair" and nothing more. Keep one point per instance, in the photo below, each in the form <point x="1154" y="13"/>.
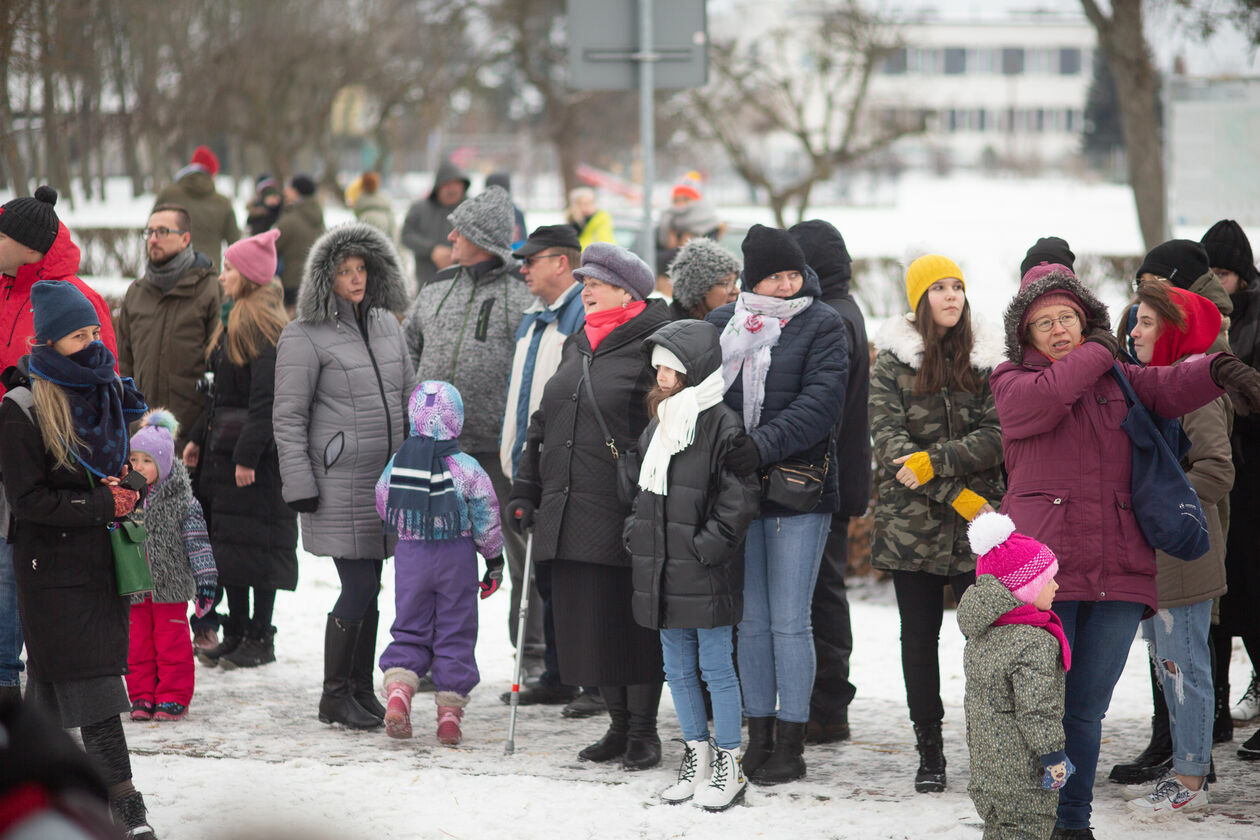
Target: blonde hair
<point x="575" y="195"/>
<point x="256" y="320"/>
<point x="55" y="423"/>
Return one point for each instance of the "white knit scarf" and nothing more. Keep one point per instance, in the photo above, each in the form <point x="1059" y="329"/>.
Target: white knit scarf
<point x="750" y="335"/>
<point x="676" y="430"/>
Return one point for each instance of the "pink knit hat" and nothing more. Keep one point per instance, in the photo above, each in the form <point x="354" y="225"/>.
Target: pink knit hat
<point x="255" y="257"/>
<point x="1022" y="564"/>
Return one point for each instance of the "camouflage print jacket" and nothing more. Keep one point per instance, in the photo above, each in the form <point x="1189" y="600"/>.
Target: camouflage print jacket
<point x="918" y="530"/>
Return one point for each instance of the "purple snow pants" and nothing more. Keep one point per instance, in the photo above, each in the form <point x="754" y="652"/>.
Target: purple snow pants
<point x="435" y="628"/>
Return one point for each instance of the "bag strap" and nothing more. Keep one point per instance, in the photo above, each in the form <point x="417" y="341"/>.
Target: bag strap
<point x="1130" y="395"/>
<point x="599" y="417"/>
<point x="24" y="399"/>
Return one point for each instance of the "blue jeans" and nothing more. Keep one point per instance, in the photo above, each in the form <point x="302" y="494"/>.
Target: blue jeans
<point x="776" y="636"/>
<point x="1100" y="634"/>
<point x="10" y="623"/>
<point x="689" y="653"/>
<point x="1179" y="636"/>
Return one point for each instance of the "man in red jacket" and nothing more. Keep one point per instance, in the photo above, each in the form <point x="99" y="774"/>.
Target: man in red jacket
<point x="35" y="247"/>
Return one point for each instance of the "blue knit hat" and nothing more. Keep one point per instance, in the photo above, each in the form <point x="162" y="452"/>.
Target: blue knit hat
<point x="60" y="309"/>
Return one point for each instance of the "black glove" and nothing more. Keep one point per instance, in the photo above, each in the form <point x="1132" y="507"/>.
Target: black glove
<point x="521" y="515"/>
<point x="493" y="577"/>
<point x="1106" y="338"/>
<point x="1240" y="380"/>
<point x="744" y="457"/>
<point x="305" y="505"/>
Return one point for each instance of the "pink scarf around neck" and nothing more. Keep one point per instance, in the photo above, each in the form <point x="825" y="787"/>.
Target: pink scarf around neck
<point x="1045" y="619"/>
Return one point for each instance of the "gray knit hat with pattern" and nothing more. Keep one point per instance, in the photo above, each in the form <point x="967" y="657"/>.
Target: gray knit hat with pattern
<point x="700" y="264"/>
<point x="487" y="221"/>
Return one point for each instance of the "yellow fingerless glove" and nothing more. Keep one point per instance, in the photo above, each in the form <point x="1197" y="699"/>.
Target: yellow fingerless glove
<point x="968" y="504"/>
<point x="921" y="465"/>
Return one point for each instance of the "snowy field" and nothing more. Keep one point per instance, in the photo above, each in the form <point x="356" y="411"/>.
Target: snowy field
<point x="252" y="758"/>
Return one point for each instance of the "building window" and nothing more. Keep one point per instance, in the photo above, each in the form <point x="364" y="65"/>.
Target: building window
<point x="1039" y="119"/>
<point x="951" y="121"/>
<point x="1071" y="120"/>
<point x="980" y="120"/>
<point x="895" y="63"/>
<point x="981" y="60"/>
<point x="1070" y="61"/>
<point x="955" y="61"/>
<point x="927" y="61"/>
<point x="1012" y="61"/>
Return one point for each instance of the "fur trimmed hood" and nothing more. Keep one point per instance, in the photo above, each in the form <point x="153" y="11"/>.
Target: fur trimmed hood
<point x="899" y="337"/>
<point x="1059" y="279"/>
<point x="385" y="288"/>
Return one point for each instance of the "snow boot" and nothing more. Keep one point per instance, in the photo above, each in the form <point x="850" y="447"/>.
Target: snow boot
<point x="450" y="711"/>
<point x="786" y="762"/>
<point x="693" y="773"/>
<point x="170" y="710"/>
<point x="613" y="744"/>
<point x="760" y="743"/>
<point x="140" y="710"/>
<point x="131" y="816"/>
<point x="829" y="729"/>
<point x="233" y="635"/>
<point x="930" y="777"/>
<point x="643" y="744"/>
<point x="258" y="648"/>
<point x="364" y="670"/>
<point x="337" y="704"/>
<point x="400" y="686"/>
<point x="1154" y="761"/>
<point x="726" y="784"/>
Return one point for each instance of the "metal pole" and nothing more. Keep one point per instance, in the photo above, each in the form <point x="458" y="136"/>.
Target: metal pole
<point x="647" y="129"/>
<point x="520" y="642"/>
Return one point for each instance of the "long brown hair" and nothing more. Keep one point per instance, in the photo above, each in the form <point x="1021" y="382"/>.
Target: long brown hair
<point x="946" y="363"/>
<point x="1154" y="293"/>
<point x="657" y="395"/>
<point x="256" y="320"/>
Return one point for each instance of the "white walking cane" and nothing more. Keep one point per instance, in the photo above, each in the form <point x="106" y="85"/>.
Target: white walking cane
<point x="520" y="642"/>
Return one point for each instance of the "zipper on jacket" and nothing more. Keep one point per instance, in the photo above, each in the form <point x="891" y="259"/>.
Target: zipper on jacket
<point x="380" y="383"/>
<point x="463" y="328"/>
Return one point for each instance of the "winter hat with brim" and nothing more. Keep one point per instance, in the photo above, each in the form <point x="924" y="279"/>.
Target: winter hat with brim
<point x="255" y="257"/>
<point x="1022" y="564"/>
<point x="614" y="265"/>
<point x="487" y="221"/>
<point x="156" y="438"/>
<point x="1228" y="248"/>
<point x="1048" y="250"/>
<point x="697" y="267"/>
<point x="31" y="220"/>
<point x="549" y="236"/>
<point x="60" y="309"/>
<point x="1179" y="261"/>
<point x="768" y="251"/>
<point x="926" y="270"/>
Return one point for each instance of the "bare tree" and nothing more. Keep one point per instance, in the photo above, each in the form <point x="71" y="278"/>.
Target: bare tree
<point x="12" y="15"/>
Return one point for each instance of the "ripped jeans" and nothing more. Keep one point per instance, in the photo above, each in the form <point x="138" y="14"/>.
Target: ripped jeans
<point x="1178" y="637"/>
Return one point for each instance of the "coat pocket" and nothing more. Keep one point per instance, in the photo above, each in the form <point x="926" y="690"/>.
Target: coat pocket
<point x="1041" y="514"/>
<point x="333" y="449"/>
<point x="1134" y="550"/>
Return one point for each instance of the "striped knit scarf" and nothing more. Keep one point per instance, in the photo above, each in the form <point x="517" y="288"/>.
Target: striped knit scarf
<point x="422" y="497"/>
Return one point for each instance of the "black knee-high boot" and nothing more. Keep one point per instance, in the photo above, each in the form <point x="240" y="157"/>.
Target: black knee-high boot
<point x="337" y="704"/>
<point x="364" y="672"/>
<point x="613" y="744"/>
<point x="643" y="746"/>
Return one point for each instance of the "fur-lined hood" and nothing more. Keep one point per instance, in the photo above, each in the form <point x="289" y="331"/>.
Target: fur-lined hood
<point x="899" y="337"/>
<point x="1059" y="279"/>
<point x="385" y="288"/>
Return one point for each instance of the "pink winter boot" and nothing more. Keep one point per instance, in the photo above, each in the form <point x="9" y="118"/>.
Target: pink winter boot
<point x="400" y="685"/>
<point x="450" y="711"/>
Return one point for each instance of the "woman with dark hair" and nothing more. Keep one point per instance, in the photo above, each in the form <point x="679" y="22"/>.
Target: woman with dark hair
<point x="936" y="437"/>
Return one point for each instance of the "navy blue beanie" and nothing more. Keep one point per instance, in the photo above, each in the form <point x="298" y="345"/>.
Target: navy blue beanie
<point x="60" y="309"/>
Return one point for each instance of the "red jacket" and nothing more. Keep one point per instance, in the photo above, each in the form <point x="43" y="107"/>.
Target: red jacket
<point x="17" y="324"/>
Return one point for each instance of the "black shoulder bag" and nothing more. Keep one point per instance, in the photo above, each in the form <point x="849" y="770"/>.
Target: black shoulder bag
<point x="627" y="490"/>
<point x="797" y="485"/>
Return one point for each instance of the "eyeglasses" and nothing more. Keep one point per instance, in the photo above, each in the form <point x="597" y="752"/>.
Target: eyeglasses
<point x="529" y="261"/>
<point x="159" y="232"/>
<point x="1066" y="321"/>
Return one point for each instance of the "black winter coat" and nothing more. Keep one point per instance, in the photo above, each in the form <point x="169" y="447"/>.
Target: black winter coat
<point x="565" y="468"/>
<point x="75" y="622"/>
<point x="686" y="547"/>
<point x="1242" y="544"/>
<point x="804" y="393"/>
<point x="253" y="532"/>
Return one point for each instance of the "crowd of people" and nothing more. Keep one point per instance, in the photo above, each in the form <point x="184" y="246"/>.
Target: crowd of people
<point x="679" y="457"/>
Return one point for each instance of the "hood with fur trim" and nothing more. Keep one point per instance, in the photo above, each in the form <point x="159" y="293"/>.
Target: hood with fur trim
<point x="1059" y="279"/>
<point x="385" y="288"/>
<point x="899" y="337"/>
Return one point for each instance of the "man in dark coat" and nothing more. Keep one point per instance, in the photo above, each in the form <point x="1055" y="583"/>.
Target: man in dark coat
<point x="426" y="226"/>
<point x="825" y="252"/>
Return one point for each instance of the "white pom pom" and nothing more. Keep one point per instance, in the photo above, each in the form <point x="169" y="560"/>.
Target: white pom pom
<point x="989" y="530"/>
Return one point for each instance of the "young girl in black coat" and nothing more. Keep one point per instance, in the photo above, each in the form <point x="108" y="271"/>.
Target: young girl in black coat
<point x="686" y="537"/>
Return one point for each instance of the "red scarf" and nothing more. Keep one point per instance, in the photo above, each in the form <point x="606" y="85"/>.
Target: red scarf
<point x="600" y="324"/>
<point x="1045" y="619"/>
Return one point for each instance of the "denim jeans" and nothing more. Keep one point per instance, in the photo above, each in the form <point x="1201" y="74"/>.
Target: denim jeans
<point x="10" y="623"/>
<point x="1100" y="634"/>
<point x="776" y="637"/>
<point x="1179" y="635"/>
<point x="689" y="653"/>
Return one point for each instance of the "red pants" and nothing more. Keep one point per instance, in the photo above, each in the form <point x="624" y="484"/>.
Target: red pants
<point x="160" y="660"/>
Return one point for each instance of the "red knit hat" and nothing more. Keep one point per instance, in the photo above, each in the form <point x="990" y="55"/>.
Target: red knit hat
<point x="206" y="159"/>
<point x="688" y="186"/>
<point x="1203" y="324"/>
<point x="1022" y="564"/>
<point x="255" y="257"/>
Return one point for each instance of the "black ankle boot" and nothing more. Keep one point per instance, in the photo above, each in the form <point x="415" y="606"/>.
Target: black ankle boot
<point x="1157" y="757"/>
<point x="337" y="704"/>
<point x="930" y="777"/>
<point x="760" y="743"/>
<point x="786" y="762"/>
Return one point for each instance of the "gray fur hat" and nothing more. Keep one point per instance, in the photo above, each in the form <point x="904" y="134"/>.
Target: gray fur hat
<point x="385" y="287"/>
<point x="487" y="221"/>
<point x="616" y="266"/>
<point x="699" y="265"/>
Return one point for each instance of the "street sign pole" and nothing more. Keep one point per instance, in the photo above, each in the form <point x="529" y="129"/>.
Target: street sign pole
<point x="647" y="129"/>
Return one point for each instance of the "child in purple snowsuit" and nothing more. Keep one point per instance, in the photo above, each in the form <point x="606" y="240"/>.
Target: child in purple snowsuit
<point x="442" y="504"/>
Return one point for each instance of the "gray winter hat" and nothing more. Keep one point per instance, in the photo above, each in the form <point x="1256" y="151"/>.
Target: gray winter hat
<point x="487" y="221"/>
<point x="699" y="265"/>
<point x="698" y="218"/>
<point x="616" y="266"/>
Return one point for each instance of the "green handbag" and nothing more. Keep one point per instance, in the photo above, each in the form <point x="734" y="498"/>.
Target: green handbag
<point x="131" y="565"/>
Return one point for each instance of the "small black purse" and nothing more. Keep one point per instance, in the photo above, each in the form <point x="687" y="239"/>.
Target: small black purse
<point x="796" y="485"/>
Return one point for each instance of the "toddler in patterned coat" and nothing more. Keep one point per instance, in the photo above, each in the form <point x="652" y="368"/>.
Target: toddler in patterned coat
<point x="444" y="509"/>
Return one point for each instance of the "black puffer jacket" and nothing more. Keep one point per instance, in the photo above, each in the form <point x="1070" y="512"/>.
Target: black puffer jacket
<point x="686" y="546"/>
<point x="566" y="469"/>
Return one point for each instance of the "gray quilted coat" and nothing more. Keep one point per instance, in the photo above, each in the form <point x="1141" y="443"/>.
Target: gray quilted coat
<point x="342" y="383"/>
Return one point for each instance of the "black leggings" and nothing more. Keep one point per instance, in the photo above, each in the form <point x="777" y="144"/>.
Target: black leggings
<point x="107" y="745"/>
<point x="1223" y="648"/>
<point x="360" y="584"/>
<point x="920" y="601"/>
<point x="238" y="605"/>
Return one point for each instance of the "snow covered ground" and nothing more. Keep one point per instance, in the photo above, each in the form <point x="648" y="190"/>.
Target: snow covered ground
<point x="252" y="760"/>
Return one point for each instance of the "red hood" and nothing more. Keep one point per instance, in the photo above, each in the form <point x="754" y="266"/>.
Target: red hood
<point x="1203" y="323"/>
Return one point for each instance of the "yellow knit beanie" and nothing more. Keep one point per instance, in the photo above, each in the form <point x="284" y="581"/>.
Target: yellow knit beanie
<point x="925" y="271"/>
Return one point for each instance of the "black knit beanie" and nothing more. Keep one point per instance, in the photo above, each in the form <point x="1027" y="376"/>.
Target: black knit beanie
<point x="31" y="221"/>
<point x="768" y="251"/>
<point x="1228" y="248"/>
<point x="1051" y="250"/>
<point x="1179" y="261"/>
<point x="304" y="185"/>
